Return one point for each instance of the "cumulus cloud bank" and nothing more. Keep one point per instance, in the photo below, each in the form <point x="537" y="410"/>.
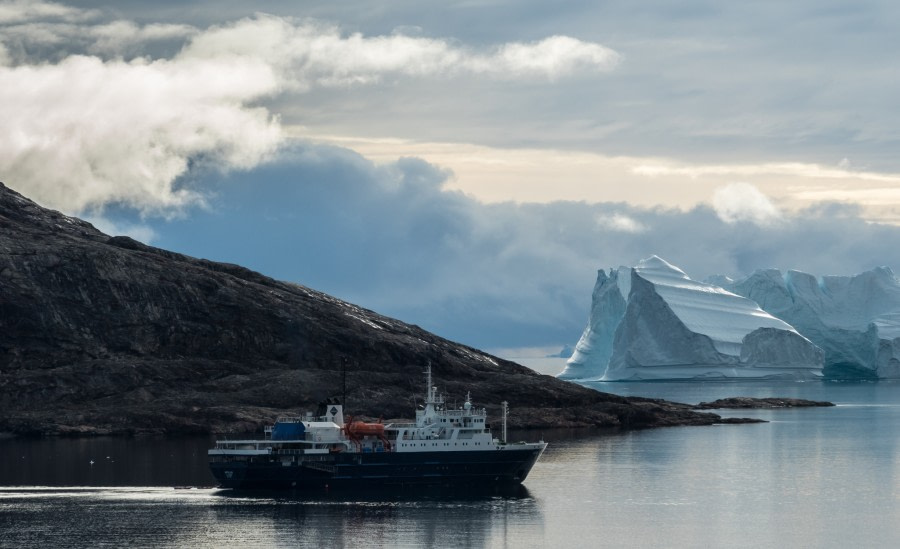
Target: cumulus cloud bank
<point x="393" y="238"/>
<point x="92" y="119"/>
<point x="83" y="132"/>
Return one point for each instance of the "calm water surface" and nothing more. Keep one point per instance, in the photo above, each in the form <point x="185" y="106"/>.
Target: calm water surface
<point x="822" y="477"/>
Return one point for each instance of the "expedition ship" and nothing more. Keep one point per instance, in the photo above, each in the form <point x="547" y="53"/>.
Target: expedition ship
<point x="444" y="447"/>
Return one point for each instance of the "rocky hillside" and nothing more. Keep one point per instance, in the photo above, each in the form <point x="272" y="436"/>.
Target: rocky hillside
<point x="105" y="335"/>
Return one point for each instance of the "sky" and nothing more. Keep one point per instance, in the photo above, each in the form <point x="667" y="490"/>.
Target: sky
<point x="468" y="166"/>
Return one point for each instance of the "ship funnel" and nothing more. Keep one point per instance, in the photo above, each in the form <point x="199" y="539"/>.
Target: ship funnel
<point x="335" y="413"/>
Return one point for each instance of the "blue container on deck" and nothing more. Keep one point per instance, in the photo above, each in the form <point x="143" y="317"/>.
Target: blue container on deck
<point x="288" y="431"/>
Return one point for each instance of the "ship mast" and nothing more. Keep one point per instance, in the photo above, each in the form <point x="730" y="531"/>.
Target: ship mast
<point x="433" y="402"/>
<point x="505" y="413"/>
<point x="428" y="391"/>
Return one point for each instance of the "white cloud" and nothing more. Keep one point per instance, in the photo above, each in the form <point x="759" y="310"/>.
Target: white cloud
<point x="117" y="126"/>
<point x="743" y="202"/>
<point x="553" y="56"/>
<point x="621" y="223"/>
<point x="84" y="133"/>
<point x="312" y="53"/>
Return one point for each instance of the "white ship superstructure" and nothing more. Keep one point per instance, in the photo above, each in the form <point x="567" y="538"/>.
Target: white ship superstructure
<point x="444" y="445"/>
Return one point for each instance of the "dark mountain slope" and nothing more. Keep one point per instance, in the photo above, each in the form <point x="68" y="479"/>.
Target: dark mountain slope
<point x="104" y="334"/>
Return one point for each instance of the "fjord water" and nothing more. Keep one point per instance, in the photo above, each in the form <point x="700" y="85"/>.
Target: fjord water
<point x="815" y="477"/>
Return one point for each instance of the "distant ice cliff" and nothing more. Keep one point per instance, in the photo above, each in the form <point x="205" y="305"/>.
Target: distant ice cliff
<point x="854" y="319"/>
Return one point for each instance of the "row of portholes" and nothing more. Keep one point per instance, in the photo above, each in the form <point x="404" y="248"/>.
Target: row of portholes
<point x="404" y="444"/>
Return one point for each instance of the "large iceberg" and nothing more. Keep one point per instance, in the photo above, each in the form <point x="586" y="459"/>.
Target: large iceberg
<point x="654" y="322"/>
<point x="854" y="319"/>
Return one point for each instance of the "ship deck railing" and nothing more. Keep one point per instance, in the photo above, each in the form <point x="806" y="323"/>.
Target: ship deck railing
<point x="463" y="413"/>
<point x="267" y="443"/>
<point x="290" y="419"/>
<point x="297" y="451"/>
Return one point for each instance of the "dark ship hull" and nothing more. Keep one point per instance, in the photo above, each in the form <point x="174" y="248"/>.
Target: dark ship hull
<point x="482" y="468"/>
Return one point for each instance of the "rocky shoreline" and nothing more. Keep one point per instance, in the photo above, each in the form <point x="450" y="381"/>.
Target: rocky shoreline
<point x="760" y="403"/>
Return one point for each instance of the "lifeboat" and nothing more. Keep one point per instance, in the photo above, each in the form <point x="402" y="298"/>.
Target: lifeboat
<point x="357" y="430"/>
<point x="361" y="428"/>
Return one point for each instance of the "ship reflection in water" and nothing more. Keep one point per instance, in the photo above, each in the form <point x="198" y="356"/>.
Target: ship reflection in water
<point x="204" y="517"/>
<point x="390" y="519"/>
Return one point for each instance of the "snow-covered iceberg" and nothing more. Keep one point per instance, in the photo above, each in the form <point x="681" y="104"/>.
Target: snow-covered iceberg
<point x="854" y="319"/>
<point x="654" y="322"/>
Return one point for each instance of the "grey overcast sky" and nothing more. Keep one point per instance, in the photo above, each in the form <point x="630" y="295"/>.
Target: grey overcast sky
<point x="465" y="165"/>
